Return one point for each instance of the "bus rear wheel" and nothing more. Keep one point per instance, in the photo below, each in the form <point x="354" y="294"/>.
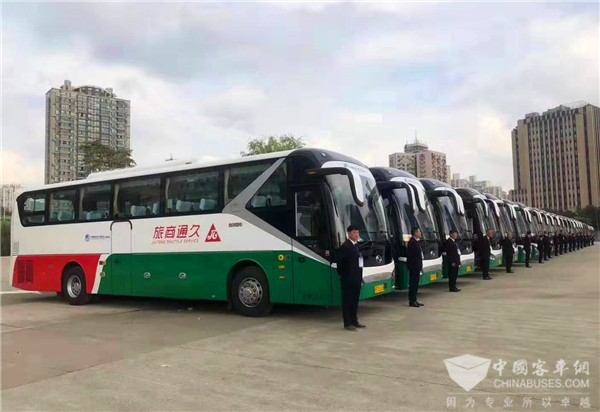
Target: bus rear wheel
<point x="250" y="292"/>
<point x="74" y="286"/>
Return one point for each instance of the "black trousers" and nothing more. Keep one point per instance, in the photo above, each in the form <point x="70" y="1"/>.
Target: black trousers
<point x="485" y="266"/>
<point x="548" y="252"/>
<point x="541" y="254"/>
<point x="350" y="298"/>
<point x="452" y="276"/>
<point x="527" y="256"/>
<point x="508" y="261"/>
<point x="555" y="250"/>
<point x="413" y="285"/>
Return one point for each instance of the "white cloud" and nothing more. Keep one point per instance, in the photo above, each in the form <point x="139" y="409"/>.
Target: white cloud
<point x="310" y="6"/>
<point x="398" y="8"/>
<point x="17" y="169"/>
<point x="404" y="47"/>
<point x="358" y="78"/>
<point x="236" y="107"/>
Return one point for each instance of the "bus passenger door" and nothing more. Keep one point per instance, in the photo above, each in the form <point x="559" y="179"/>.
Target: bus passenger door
<point x="312" y="274"/>
<point x="120" y="258"/>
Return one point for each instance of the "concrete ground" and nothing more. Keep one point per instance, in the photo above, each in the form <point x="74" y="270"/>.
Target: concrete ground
<point x="151" y="355"/>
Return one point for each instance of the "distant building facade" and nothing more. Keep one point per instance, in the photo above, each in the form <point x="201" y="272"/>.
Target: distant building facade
<point x="421" y="162"/>
<point x="483" y="186"/>
<point x="556" y="158"/>
<point x="78" y="115"/>
<point x="9" y="193"/>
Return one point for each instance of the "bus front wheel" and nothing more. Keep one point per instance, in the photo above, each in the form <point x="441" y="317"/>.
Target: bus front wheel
<point x="74" y="287"/>
<point x="250" y="292"/>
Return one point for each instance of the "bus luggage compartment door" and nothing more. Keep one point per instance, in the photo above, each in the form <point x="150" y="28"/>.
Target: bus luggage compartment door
<point x="120" y="259"/>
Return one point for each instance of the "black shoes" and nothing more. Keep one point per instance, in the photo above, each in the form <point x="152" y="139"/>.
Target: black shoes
<point x="352" y="328"/>
<point x="487" y="278"/>
<point x="455" y="290"/>
<point x="414" y="305"/>
<point x="528" y="266"/>
<point x="509" y="271"/>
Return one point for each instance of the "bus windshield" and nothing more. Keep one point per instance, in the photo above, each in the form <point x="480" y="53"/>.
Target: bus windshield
<point x="451" y="219"/>
<point x="492" y="221"/>
<point x="480" y="217"/>
<point x="507" y="225"/>
<point x="370" y="218"/>
<point x="421" y="219"/>
<point x="521" y="224"/>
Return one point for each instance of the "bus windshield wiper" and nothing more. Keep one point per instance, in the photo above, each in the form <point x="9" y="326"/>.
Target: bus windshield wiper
<point x="365" y="243"/>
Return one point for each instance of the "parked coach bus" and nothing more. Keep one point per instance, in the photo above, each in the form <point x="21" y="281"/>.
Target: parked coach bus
<point x="478" y="218"/>
<point x="407" y="207"/>
<point x="508" y="218"/>
<point x="523" y="226"/>
<point x="495" y="223"/>
<point x="254" y="231"/>
<point x="450" y="214"/>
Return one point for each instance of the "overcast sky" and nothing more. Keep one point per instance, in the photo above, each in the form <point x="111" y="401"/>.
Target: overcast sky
<point x="356" y="78"/>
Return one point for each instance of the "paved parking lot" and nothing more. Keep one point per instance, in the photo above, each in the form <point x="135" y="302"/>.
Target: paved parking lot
<point x="141" y="354"/>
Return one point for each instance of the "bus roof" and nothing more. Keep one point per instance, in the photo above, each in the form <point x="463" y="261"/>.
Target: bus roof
<point x="191" y="164"/>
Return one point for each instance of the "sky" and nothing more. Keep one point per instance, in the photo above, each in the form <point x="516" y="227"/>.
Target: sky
<point x="358" y="78"/>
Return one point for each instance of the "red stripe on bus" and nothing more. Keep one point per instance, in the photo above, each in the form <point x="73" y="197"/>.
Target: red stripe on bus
<point x="44" y="273"/>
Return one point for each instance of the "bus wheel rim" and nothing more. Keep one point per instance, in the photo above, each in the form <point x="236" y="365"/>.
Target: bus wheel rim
<point x="250" y="292"/>
<point x="74" y="286"/>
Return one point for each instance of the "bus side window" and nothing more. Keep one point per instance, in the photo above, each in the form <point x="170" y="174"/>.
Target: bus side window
<point x="193" y="192"/>
<point x="238" y="178"/>
<point x="136" y="198"/>
<point x="62" y="205"/>
<point x="33" y="208"/>
<point x="94" y="202"/>
<point x="270" y="203"/>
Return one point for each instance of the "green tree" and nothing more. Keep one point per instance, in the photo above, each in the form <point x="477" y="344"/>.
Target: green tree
<point x="5" y="238"/>
<point x="590" y="215"/>
<point x="99" y="157"/>
<point x="273" y="144"/>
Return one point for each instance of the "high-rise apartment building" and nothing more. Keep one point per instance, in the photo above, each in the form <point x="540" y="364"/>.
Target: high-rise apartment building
<point x="556" y="158"/>
<point x="78" y="115"/>
<point x="404" y="161"/>
<point x="9" y="193"/>
<point x="421" y="162"/>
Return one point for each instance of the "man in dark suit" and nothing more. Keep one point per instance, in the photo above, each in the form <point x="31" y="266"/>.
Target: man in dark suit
<point x="485" y="252"/>
<point x="547" y="246"/>
<point x="527" y="248"/>
<point x="507" y="252"/>
<point x="414" y="261"/>
<point x="452" y="257"/>
<point x="556" y="244"/>
<point x="561" y="242"/>
<point x="350" y="268"/>
<point x="540" y="243"/>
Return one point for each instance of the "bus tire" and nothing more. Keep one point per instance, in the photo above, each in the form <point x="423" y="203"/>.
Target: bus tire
<point x="74" y="286"/>
<point x="250" y="292"/>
